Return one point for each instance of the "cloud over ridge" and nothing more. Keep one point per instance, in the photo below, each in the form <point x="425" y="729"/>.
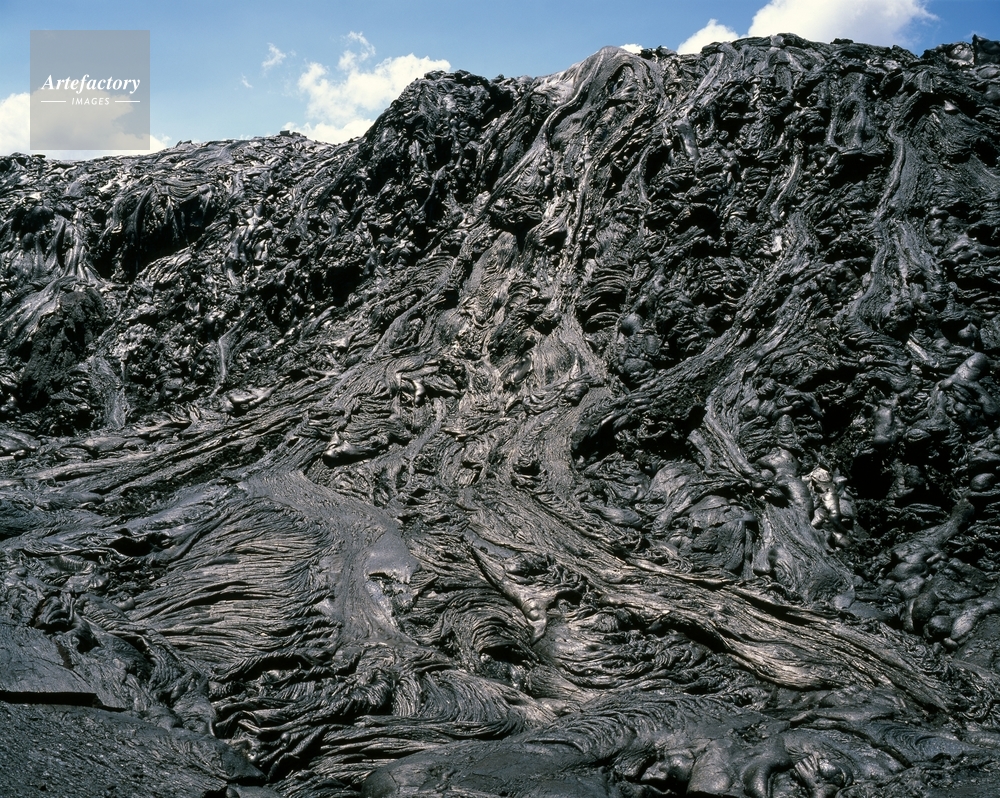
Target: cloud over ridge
<point x="344" y="106"/>
<point x="880" y="22"/>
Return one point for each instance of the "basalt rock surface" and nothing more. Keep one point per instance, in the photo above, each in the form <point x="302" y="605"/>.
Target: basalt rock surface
<point x="630" y="431"/>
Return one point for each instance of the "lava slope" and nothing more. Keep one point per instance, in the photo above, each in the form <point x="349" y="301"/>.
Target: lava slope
<point x="630" y="431"/>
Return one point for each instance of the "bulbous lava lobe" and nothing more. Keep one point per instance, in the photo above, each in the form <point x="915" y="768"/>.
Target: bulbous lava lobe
<point x="629" y="431"/>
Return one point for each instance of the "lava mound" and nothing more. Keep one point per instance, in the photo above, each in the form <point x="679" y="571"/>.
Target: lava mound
<point x="629" y="432"/>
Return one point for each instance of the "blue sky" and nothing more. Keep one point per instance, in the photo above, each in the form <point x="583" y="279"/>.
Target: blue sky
<point x="224" y="69"/>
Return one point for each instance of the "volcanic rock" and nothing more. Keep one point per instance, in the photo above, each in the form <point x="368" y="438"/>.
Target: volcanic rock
<point x="630" y="431"/>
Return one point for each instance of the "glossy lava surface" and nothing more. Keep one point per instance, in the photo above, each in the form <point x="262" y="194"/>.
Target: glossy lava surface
<point x="629" y="432"/>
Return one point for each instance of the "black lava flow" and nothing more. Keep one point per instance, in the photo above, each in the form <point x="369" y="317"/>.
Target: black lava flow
<point x="628" y="432"/>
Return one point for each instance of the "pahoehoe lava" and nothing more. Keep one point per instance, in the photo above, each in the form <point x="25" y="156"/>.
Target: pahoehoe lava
<point x="630" y="431"/>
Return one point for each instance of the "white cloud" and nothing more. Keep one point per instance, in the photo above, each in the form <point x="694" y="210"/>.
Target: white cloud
<point x="334" y="134"/>
<point x="274" y="57"/>
<point x="882" y="22"/>
<point x="246" y="83"/>
<point x="712" y="32"/>
<point x="15" y="134"/>
<point x="631" y="48"/>
<point x="349" y="59"/>
<point x="157" y="144"/>
<point x="14" y="123"/>
<point x="345" y="106"/>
